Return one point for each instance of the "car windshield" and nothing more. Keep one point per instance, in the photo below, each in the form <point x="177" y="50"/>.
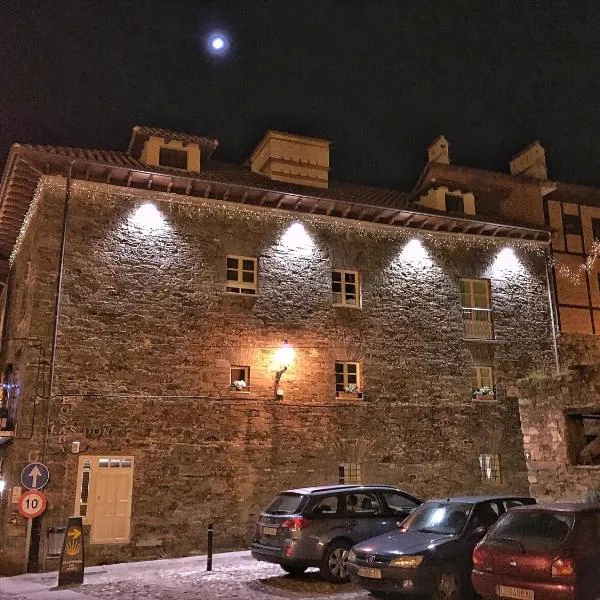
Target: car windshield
<point x="286" y="504"/>
<point x="447" y="518"/>
<point x="533" y="531"/>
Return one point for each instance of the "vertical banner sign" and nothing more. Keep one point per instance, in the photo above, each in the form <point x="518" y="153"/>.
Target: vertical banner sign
<point x="71" y="558"/>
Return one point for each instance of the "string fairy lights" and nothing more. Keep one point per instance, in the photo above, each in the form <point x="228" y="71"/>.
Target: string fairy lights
<point x="577" y="274"/>
<point x="194" y="207"/>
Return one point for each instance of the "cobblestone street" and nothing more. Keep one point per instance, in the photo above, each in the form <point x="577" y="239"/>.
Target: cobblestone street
<point x="235" y="575"/>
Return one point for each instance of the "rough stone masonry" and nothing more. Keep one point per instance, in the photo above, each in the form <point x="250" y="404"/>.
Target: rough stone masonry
<point x="147" y="336"/>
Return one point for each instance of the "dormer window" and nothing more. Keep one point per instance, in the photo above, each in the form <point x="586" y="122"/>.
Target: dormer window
<point x="171" y="157"/>
<point x="455" y="203"/>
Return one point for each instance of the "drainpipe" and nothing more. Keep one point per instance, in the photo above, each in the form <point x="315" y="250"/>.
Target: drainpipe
<point x="553" y="309"/>
<point x="59" y="277"/>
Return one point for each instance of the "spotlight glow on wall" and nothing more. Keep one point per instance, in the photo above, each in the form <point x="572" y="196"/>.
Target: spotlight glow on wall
<point x="148" y="218"/>
<point x="415" y="254"/>
<point x="507" y="263"/>
<point x="297" y="238"/>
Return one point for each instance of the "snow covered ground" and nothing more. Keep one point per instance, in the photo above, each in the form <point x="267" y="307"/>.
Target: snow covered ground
<point x="235" y="575"/>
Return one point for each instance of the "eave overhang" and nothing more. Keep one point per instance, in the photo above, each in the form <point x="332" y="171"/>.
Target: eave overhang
<point x="25" y="166"/>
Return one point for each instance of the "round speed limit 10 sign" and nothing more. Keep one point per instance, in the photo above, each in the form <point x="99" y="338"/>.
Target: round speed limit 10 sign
<point x="32" y="504"/>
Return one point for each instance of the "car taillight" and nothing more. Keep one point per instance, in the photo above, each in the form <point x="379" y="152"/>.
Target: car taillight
<point x="563" y="567"/>
<point x="477" y="558"/>
<point x="295" y="523"/>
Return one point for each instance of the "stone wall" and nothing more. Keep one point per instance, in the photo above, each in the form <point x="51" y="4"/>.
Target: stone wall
<point x="553" y="471"/>
<point x="578" y="349"/>
<point x="147" y="335"/>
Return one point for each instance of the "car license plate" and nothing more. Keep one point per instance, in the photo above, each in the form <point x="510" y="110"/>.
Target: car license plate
<point x="512" y="592"/>
<point x="269" y="530"/>
<point x="371" y="573"/>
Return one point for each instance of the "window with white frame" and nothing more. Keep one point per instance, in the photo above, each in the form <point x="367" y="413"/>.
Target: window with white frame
<point x="241" y="275"/>
<point x="490" y="468"/>
<point x="345" y="286"/>
<point x="240" y="378"/>
<point x="476" y="308"/>
<point x="350" y="473"/>
<point x="482" y="384"/>
<point x="347" y="376"/>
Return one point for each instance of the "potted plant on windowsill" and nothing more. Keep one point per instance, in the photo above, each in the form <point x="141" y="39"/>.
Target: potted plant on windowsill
<point x="239" y="386"/>
<point x="350" y="392"/>
<point x="484" y="393"/>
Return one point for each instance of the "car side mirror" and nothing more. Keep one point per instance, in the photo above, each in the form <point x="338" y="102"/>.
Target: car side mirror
<point x="478" y="532"/>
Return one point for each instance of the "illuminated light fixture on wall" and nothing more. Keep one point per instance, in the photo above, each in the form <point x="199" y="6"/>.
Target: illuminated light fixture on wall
<point x="2" y="486"/>
<point x="297" y="238"/>
<point x="507" y="263"/>
<point x="414" y="253"/>
<point x="284" y="357"/>
<point x="148" y="218"/>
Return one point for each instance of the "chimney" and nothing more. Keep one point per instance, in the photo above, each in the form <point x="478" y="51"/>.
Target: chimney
<point x="438" y="151"/>
<point x="292" y="158"/>
<point x="530" y="162"/>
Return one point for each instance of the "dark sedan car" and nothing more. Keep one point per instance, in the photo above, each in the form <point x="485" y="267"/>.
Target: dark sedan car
<point x="316" y="526"/>
<point x="545" y="552"/>
<point x="431" y="552"/>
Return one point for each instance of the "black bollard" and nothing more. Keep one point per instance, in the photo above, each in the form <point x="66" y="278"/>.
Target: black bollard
<point x="209" y="554"/>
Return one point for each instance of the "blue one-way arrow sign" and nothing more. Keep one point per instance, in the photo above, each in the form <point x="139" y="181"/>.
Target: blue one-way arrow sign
<point x="35" y="476"/>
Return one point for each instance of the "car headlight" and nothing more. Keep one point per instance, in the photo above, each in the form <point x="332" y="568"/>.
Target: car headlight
<point x="407" y="562"/>
<point x="351" y="557"/>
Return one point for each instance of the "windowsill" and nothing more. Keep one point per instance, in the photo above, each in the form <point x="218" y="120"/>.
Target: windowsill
<point x="588" y="467"/>
<point x="240" y="392"/>
<point x="238" y="295"/>
<point x="484" y="340"/>
<point x="349" y="395"/>
<point x="492" y="400"/>
<point x="351" y="306"/>
<point x="6" y="435"/>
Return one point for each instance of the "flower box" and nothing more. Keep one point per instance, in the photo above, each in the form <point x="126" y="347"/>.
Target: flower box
<point x="349" y="395"/>
<point x="237" y="390"/>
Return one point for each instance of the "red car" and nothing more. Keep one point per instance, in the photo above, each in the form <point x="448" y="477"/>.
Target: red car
<point x="541" y="552"/>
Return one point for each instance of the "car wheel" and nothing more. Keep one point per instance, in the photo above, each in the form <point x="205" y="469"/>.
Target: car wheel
<point x="449" y="585"/>
<point x="293" y="569"/>
<point x="333" y="566"/>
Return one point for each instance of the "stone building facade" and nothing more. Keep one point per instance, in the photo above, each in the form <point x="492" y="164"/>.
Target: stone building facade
<point x="138" y="293"/>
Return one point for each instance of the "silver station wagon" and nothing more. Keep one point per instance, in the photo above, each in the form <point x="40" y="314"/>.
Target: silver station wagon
<point x="317" y="526"/>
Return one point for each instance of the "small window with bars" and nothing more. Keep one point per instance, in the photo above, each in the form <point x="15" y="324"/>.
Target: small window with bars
<point x="347" y="377"/>
<point x="350" y="473"/>
<point x="345" y="286"/>
<point x="482" y="383"/>
<point x="241" y="275"/>
<point x="85" y="488"/>
<point x="240" y="379"/>
<point x="490" y="468"/>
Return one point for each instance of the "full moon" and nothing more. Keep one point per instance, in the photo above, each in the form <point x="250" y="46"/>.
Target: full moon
<point x="217" y="43"/>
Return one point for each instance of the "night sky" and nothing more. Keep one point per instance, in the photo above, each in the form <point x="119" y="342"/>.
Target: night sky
<point x="381" y="79"/>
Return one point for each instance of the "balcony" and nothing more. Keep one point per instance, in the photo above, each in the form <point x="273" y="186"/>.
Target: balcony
<point x="477" y="324"/>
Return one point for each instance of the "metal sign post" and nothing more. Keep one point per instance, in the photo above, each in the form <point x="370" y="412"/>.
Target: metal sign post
<point x="31" y="505"/>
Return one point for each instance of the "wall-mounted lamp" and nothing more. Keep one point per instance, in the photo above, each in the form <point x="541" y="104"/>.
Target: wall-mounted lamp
<point x="2" y="486"/>
<point x="283" y="359"/>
